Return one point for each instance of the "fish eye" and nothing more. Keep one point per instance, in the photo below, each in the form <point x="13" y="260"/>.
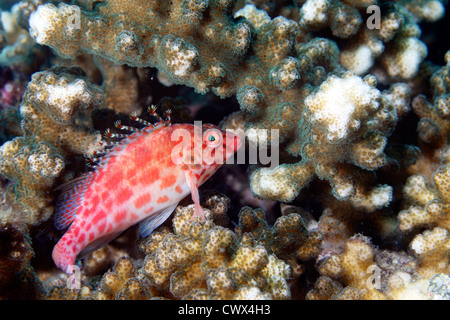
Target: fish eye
<point x="212" y="138"/>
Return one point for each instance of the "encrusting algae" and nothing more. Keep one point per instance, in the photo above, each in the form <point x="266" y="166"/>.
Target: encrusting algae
<point x="339" y="190"/>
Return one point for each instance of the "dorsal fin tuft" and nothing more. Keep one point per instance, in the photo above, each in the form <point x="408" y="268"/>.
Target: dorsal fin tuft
<point x="119" y="146"/>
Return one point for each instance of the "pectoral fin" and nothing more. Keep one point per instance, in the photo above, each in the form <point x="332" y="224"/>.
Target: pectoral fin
<point x="96" y="244"/>
<point x="192" y="182"/>
<point x="155" y="220"/>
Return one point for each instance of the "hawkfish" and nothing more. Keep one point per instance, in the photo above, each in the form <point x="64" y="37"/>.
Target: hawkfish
<point x="141" y="179"/>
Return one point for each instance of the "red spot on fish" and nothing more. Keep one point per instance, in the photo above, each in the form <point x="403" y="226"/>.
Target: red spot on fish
<point x="95" y="200"/>
<point x="145" y="180"/>
<point x="91" y="236"/>
<point x="81" y="237"/>
<point x="104" y="196"/>
<point x="131" y="172"/>
<point x="120" y="216"/>
<point x="101" y="227"/>
<point x="168" y="181"/>
<point x="178" y="189"/>
<point x="112" y="180"/>
<point x="142" y="200"/>
<point x="149" y="210"/>
<point x="99" y="216"/>
<point x="100" y="175"/>
<point x="76" y="230"/>
<point x="162" y="199"/>
<point x="149" y="176"/>
<point x="123" y="194"/>
<point x="108" y="204"/>
<point x="119" y="175"/>
<point x="133" y="181"/>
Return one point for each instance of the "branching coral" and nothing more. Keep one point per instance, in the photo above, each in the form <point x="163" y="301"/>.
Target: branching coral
<point x="288" y="239"/>
<point x="434" y="122"/>
<point x="262" y="64"/>
<point x="201" y="261"/>
<point x="343" y="17"/>
<point x="183" y="39"/>
<point x="20" y="51"/>
<point x="156" y="42"/>
<point x="427" y="204"/>
<point x="432" y="248"/>
<point x="392" y="36"/>
<point x="50" y="111"/>
<point x="428" y="10"/>
<point x="346" y="123"/>
<point x="120" y="87"/>
<point x="362" y="271"/>
<point x="123" y="283"/>
<point x="299" y="68"/>
<point x="353" y="266"/>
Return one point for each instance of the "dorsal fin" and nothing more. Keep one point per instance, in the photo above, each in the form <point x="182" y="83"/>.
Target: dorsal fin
<point x="70" y="198"/>
<point x="124" y="142"/>
<point x="120" y="140"/>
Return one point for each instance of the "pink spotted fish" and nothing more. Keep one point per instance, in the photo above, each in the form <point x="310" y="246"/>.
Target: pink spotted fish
<point x="140" y="180"/>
